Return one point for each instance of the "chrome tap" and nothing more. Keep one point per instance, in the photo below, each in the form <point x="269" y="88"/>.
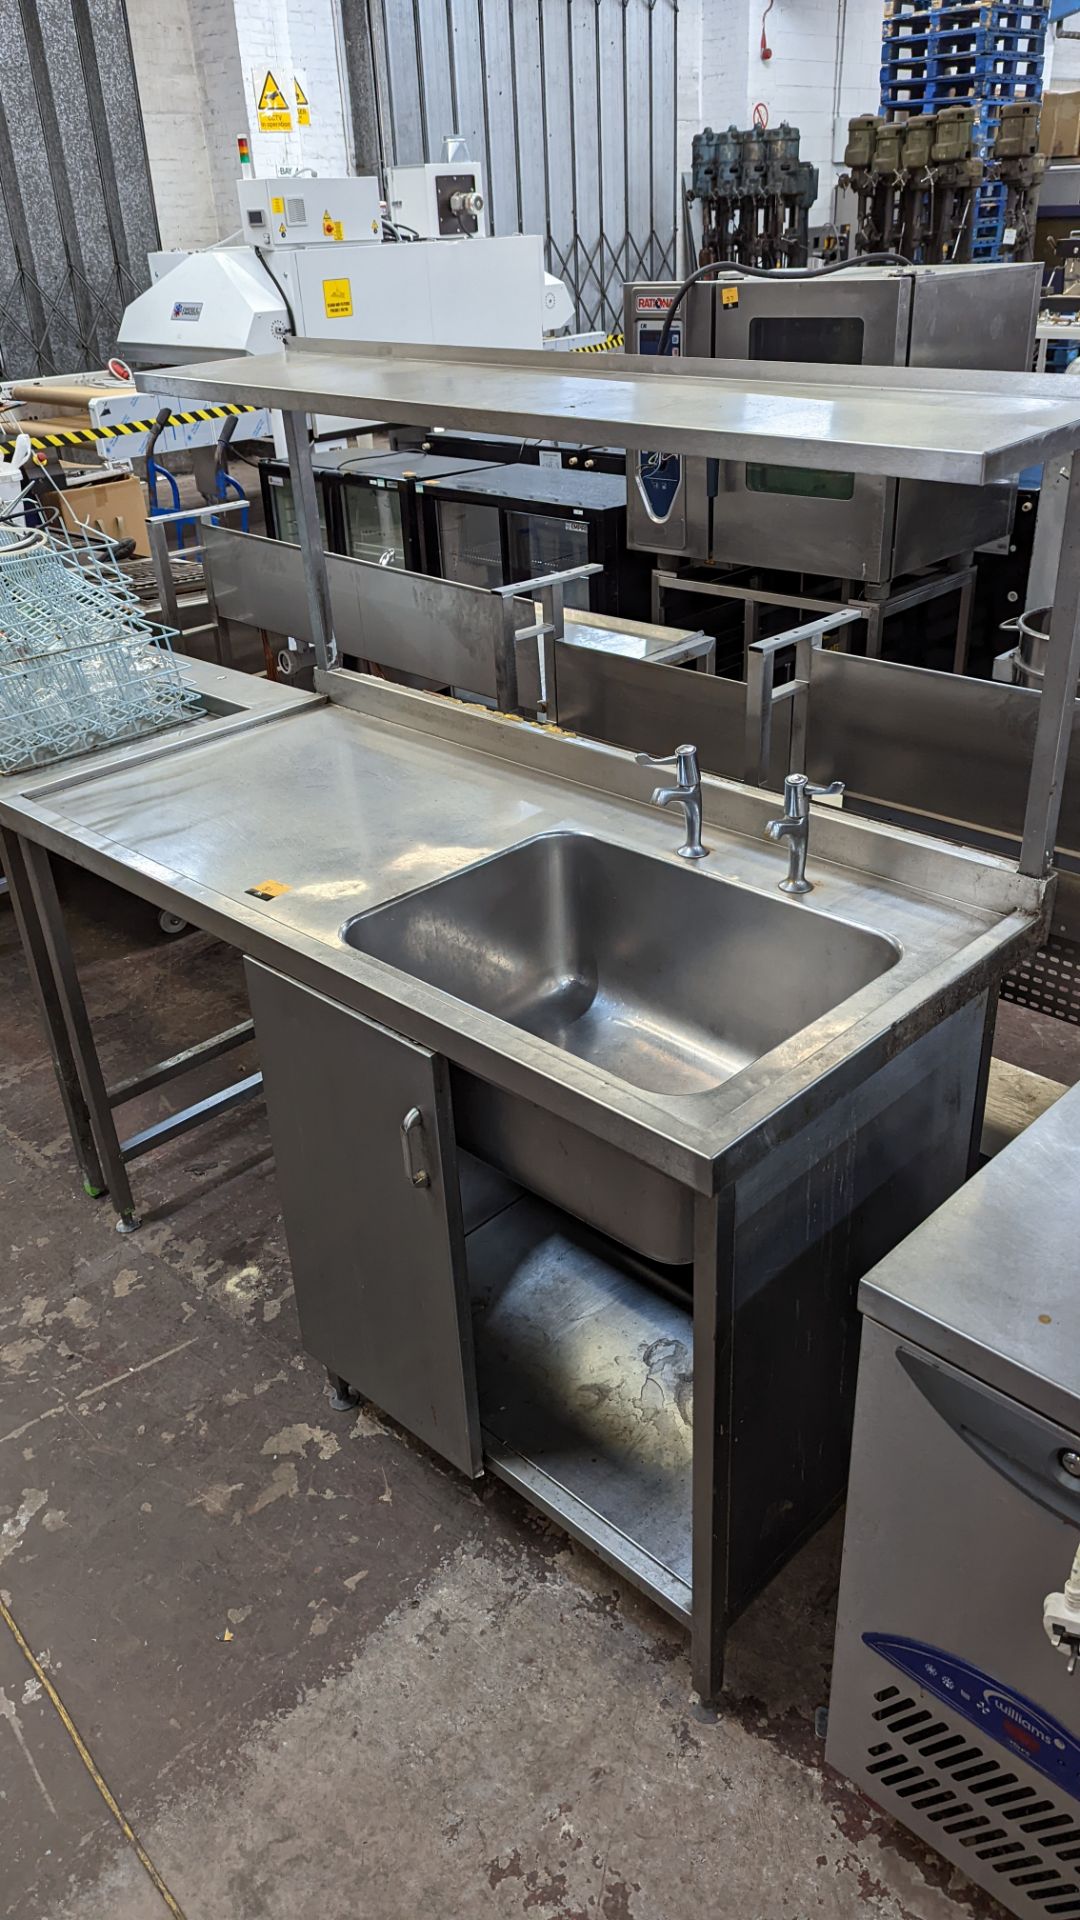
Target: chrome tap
<point x="687" y="793"/>
<point x="795" y="828"/>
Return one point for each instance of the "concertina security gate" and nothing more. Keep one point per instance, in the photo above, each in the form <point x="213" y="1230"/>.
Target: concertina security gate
<point x="569" y="105"/>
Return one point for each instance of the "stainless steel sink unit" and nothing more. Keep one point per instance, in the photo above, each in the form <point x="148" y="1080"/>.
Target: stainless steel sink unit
<point x="671" y="981"/>
<point x="582" y="1148"/>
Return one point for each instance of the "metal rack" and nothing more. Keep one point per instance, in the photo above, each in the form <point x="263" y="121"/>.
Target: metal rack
<point x="921" y="423"/>
<point x="80" y="664"/>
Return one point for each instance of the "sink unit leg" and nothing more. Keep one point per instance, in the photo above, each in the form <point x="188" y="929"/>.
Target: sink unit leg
<point x="714" y="1265"/>
<point x="52" y="1018"/>
<point x="342" y="1396"/>
<point x="62" y="984"/>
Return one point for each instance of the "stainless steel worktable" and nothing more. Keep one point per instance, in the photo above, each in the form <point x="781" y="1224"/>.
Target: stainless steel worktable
<point x="918" y="423"/>
<point x="349" y="805"/>
<point x="773" y="1188"/>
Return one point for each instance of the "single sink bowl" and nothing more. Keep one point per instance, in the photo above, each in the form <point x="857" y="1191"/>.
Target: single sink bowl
<point x="667" y="978"/>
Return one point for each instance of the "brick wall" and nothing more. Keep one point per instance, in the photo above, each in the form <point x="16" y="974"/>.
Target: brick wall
<point x="196" y="62"/>
<point x="313" y="33"/>
<point x="824" y="69"/>
<point x="170" y="94"/>
<point x="224" y="101"/>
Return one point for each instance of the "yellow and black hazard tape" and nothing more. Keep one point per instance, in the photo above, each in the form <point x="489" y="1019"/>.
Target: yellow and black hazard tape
<point x="86" y="436"/>
<point x="609" y="345"/>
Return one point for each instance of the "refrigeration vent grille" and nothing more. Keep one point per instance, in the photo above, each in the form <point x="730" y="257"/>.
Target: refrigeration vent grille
<point x="935" y="1771"/>
<point x="1048" y="981"/>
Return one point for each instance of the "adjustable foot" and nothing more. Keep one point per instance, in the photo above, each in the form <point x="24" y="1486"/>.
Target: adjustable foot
<point x="128" y="1223"/>
<point x="342" y="1396"/>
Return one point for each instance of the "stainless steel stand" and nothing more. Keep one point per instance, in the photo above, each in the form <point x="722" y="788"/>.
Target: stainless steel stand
<point x="879" y="604"/>
<point x="89" y="1103"/>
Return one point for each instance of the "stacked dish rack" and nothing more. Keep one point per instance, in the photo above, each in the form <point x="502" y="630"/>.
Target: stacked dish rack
<point x="80" y="665"/>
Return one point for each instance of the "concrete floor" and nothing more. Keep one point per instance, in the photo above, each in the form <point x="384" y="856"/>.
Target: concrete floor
<point x="322" y="1675"/>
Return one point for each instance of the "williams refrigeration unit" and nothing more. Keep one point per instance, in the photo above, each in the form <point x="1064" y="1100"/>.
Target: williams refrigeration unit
<point x="955" y="1704"/>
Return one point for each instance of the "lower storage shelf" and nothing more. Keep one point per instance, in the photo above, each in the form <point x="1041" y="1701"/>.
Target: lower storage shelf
<point x="585" y="1378"/>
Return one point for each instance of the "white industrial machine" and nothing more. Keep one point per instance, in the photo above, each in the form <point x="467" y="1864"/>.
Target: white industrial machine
<point x="440" y="201"/>
<point x="319" y="258"/>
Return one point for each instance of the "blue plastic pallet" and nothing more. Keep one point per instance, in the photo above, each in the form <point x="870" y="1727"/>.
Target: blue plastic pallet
<point x="916" y="47"/>
<point x="895" y="65"/>
<point x="988" y="89"/>
<point x="904" y="73"/>
<point x="909" y="30"/>
<point x="1001" y="17"/>
<point x="982" y="66"/>
<point x="912" y="94"/>
<point x="1014" y="43"/>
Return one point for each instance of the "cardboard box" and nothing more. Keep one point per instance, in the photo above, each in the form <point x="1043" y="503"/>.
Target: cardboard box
<point x="115" y="506"/>
<point x="1059" y="127"/>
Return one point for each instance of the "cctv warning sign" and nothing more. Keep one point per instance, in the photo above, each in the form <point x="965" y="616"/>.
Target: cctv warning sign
<point x="275" y="115"/>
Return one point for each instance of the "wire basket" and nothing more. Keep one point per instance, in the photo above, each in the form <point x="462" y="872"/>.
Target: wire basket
<point x="80" y="665"/>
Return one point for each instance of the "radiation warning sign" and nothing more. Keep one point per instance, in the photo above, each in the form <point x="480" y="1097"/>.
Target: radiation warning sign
<point x="275" y="114"/>
<point x="303" y="104"/>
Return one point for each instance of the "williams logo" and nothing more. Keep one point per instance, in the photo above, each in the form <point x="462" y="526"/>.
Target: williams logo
<point x="186" y="309"/>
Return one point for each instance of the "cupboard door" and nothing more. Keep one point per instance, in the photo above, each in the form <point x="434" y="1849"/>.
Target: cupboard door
<point x="362" y="1131"/>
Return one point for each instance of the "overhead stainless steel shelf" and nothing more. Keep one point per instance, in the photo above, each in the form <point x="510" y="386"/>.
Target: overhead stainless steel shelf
<point x="899" y="421"/>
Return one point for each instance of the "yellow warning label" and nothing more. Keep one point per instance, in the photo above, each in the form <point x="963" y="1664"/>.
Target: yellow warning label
<point x="303" y="105"/>
<point x="273" y="109"/>
<point x="337" y="299"/>
<point x="729" y="296"/>
<point x="332" y="229"/>
<point x="277" y="204"/>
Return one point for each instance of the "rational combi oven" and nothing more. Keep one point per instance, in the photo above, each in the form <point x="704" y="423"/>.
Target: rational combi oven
<point x="854" y="526"/>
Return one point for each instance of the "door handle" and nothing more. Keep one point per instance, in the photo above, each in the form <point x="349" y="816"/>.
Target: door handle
<point x="411" y="1125"/>
<point x="1022" y="1446"/>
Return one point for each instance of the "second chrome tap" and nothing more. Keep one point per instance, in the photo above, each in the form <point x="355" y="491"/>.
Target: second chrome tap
<point x="795" y="828"/>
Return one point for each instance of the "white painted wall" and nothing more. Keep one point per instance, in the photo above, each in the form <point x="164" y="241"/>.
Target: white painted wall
<point x="170" y="93"/>
<point x="224" y="102"/>
<point x="824" y="69"/>
<point x="1062" y="70"/>
<point x="196" y="63"/>
<point x="313" y="31"/>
